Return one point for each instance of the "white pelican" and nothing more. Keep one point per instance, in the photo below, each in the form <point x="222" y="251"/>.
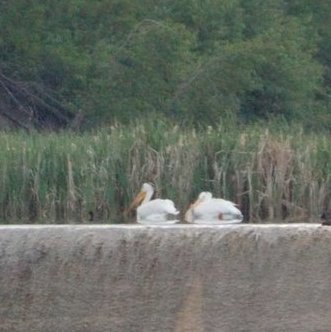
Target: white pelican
<point x="153" y="211"/>
<point x="207" y="209"/>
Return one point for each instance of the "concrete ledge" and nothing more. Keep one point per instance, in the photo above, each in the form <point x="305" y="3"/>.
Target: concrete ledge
<point x="165" y="278"/>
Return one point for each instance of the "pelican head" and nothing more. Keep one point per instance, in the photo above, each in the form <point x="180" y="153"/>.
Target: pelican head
<point x="204" y="196"/>
<point x="147" y="187"/>
<point x="145" y="194"/>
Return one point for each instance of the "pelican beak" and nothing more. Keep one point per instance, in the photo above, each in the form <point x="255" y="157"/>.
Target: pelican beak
<point x="195" y="204"/>
<point x="189" y="213"/>
<point x="137" y="201"/>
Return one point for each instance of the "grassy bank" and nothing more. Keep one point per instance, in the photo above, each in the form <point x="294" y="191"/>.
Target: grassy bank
<point x="271" y="174"/>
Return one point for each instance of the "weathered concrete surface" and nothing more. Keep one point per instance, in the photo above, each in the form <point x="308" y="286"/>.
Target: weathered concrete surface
<point x="171" y="278"/>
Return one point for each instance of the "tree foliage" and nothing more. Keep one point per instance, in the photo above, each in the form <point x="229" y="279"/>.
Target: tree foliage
<point x="194" y="60"/>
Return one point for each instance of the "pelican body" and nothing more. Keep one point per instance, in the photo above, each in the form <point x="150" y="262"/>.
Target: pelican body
<point x="153" y="211"/>
<point x="207" y="209"/>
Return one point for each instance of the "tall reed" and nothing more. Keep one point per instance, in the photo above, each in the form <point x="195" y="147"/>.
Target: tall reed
<point x="59" y="178"/>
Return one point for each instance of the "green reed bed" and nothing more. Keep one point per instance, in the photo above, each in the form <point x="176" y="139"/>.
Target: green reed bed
<point x="271" y="174"/>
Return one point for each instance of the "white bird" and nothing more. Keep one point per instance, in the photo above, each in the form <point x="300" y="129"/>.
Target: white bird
<point x="153" y="211"/>
<point x="207" y="209"/>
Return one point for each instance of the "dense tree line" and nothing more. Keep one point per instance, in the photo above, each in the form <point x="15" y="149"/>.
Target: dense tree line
<point x="192" y="60"/>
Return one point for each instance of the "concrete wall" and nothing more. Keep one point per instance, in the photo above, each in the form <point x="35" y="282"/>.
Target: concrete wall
<point x="171" y="278"/>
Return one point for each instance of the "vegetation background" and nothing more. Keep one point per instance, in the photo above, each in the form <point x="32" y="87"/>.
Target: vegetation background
<point x="231" y="96"/>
